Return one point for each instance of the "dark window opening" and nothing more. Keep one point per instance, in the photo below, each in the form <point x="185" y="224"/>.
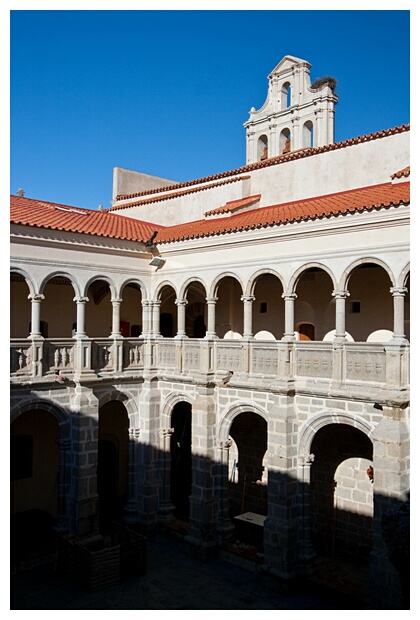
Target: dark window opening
<point x="21" y="457"/>
<point x="355" y="307"/>
<point x="263" y="307"/>
<point x="166" y="325"/>
<point x="135" y="331"/>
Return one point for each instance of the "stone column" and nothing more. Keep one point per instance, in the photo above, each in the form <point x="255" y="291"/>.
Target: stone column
<point x="247" y="315"/>
<point x="181" y="304"/>
<point x="166" y="508"/>
<point x="398" y="295"/>
<point x="155" y="317"/>
<point x="225" y="527"/>
<point x="340" y="315"/>
<point x="116" y="329"/>
<point x="36" y="315"/>
<point x="146" y="312"/>
<point x="306" y="551"/>
<point x="211" y="317"/>
<point x="289" y="313"/>
<point x="83" y="346"/>
<point x="62" y="524"/>
<point x="131" y="507"/>
<point x="80" y="320"/>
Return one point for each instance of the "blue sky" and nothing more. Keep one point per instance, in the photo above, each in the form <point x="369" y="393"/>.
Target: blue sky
<point x="167" y="92"/>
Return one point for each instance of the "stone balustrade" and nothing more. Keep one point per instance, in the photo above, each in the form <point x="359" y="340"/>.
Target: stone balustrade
<point x="251" y="361"/>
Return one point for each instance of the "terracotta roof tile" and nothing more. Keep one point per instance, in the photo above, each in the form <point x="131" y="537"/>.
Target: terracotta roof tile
<point x="159" y="198"/>
<point x="234" y="205"/>
<point x="369" y="198"/>
<point x="41" y="214"/>
<point x="272" y="161"/>
<point x="405" y="172"/>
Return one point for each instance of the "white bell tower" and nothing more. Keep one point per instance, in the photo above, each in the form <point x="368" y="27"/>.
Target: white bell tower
<point x="295" y="115"/>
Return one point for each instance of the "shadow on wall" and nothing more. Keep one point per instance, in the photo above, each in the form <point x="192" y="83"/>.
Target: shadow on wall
<point x="202" y="493"/>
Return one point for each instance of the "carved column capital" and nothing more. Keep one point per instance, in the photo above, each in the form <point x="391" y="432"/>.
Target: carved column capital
<point x="340" y="294"/>
<point x="36" y="297"/>
<point x="398" y="291"/>
<point x="226" y="444"/>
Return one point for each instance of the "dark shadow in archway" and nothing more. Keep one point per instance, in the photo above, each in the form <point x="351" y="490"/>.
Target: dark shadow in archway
<point x="180" y="481"/>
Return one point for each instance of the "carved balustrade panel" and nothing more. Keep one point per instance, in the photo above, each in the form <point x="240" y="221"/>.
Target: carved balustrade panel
<point x="229" y="356"/>
<point x="166" y="353"/>
<point x="59" y="354"/>
<point x="191" y="355"/>
<point x="133" y="356"/>
<point x="102" y="355"/>
<point x="365" y="362"/>
<point x="264" y="359"/>
<point x="21" y="356"/>
<point x="313" y="360"/>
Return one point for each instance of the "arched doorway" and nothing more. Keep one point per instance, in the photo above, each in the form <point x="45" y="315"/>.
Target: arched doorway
<point x="112" y="466"/>
<point x="314" y="306"/>
<point x="168" y="312"/>
<point x="341" y="493"/>
<point x="20" y="306"/>
<point x="196" y="312"/>
<point x="34" y="469"/>
<point x="229" y="309"/>
<point x="369" y="307"/>
<point x="99" y="310"/>
<point x="268" y="307"/>
<point x="181" y="475"/>
<point x="247" y="487"/>
<point x="131" y="311"/>
<point x="58" y="310"/>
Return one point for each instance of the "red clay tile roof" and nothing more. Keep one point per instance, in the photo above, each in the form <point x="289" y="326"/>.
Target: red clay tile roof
<point x="159" y="198"/>
<point x="43" y="214"/>
<point x="272" y="161"/>
<point x="234" y="205"/>
<point x="405" y="172"/>
<point x="365" y="199"/>
<point x="55" y="216"/>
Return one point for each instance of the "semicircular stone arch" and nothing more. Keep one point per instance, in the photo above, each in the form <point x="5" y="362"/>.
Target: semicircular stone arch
<point x="252" y="281"/>
<point x="103" y="278"/>
<point x="134" y="282"/>
<point x="319" y="421"/>
<point x="21" y="273"/>
<point x="294" y="280"/>
<point x="169" y="404"/>
<point x="232" y="412"/>
<point x="156" y="295"/>
<point x="183" y="292"/>
<point x="60" y="275"/>
<point x="218" y="280"/>
<point x="127" y="399"/>
<point x="344" y="280"/>
<point x="404" y="276"/>
<point x="61" y="416"/>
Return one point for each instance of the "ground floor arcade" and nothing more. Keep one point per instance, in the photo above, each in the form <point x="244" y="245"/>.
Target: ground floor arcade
<point x="318" y="472"/>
